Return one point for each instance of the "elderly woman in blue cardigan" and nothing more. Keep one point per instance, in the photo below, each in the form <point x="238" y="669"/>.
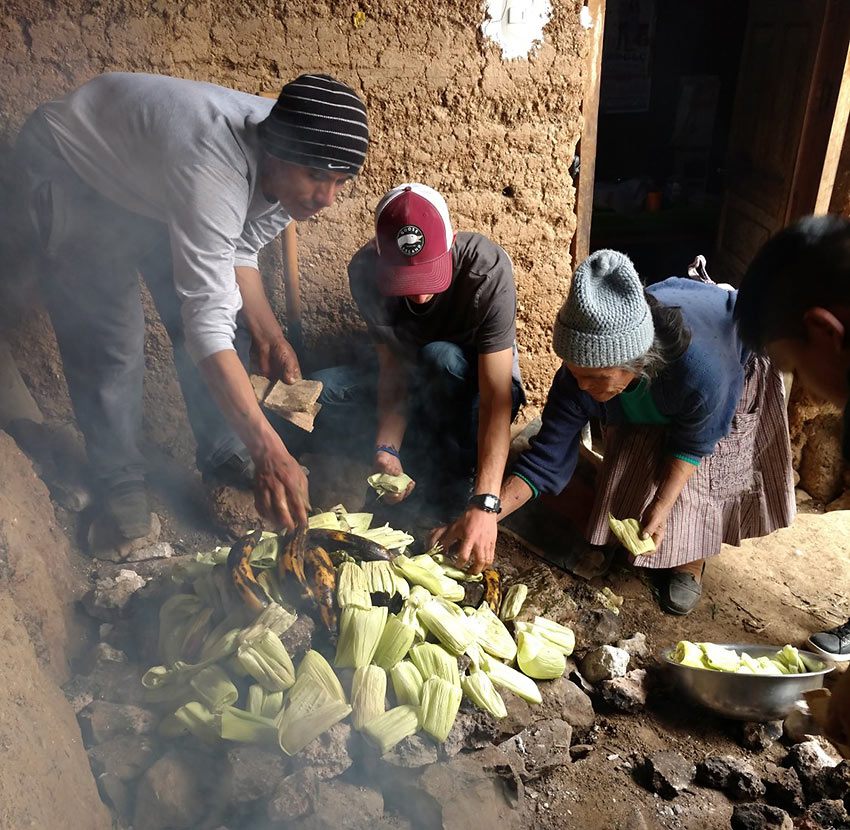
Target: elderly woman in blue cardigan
<point x="696" y="431"/>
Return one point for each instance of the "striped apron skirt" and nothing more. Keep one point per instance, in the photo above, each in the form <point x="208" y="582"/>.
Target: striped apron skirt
<point x="744" y="489"/>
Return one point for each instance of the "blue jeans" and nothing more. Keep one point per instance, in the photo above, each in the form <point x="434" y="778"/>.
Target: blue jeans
<point x="443" y="398"/>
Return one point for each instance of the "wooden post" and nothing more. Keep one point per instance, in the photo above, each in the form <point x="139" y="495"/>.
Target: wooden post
<point x="586" y="147"/>
<point x="825" y="118"/>
<point x="292" y="288"/>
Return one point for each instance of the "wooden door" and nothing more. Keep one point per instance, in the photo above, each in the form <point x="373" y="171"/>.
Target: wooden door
<point x="785" y="121"/>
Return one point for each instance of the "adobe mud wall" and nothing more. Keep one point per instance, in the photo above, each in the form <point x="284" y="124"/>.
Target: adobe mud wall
<point x="495" y="137"/>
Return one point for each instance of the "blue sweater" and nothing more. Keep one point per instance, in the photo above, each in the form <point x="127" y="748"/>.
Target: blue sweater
<point x="698" y="392"/>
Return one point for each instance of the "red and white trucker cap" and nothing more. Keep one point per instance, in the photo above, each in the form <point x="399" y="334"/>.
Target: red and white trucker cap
<point x="414" y="236"/>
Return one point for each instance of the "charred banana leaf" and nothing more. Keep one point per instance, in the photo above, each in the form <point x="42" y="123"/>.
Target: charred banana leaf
<point x="492" y="589"/>
<point x="242" y="575"/>
<point x="356" y="546"/>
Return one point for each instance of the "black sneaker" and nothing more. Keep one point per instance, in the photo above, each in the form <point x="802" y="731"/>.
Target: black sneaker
<point x="834" y="644"/>
<point x="126" y="505"/>
<point x="236" y="472"/>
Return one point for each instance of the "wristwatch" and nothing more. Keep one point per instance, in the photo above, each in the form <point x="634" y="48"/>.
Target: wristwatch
<point x="486" y="502"/>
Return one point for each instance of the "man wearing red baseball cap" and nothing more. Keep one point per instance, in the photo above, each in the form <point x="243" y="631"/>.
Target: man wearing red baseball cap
<point x="440" y="308"/>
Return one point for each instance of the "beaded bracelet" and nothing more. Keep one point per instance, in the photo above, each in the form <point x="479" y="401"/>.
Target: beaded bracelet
<point x="387" y="449"/>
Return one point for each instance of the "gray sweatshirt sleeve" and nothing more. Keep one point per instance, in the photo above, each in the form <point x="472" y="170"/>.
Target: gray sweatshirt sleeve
<point x="257" y="234"/>
<point x="206" y="208"/>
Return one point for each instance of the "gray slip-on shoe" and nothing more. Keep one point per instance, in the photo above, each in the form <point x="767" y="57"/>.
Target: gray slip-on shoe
<point x="681" y="593"/>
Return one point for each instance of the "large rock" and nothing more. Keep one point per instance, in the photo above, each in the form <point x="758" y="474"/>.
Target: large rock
<point x="760" y="817"/>
<point x="340" y="804"/>
<point x="103" y="720"/>
<point x="759" y="736"/>
<point x="635" y="645"/>
<point x="252" y="773"/>
<point x="810" y="760"/>
<point x="734" y="776"/>
<point x="594" y="628"/>
<point x="564" y="699"/>
<point x="460" y="793"/>
<point x="294" y="796"/>
<point x="110" y="594"/>
<point x="329" y="755"/>
<point x="604" y="663"/>
<point x="783" y="789"/>
<point x="125" y="757"/>
<point x="667" y="773"/>
<point x="473" y="729"/>
<point x="170" y="795"/>
<point x="411" y="753"/>
<point x="625" y="694"/>
<point x="828" y="813"/>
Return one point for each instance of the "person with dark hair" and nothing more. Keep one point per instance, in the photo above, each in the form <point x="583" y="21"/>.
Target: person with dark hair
<point x="794" y="305"/>
<point x="182" y="182"/>
<point x="696" y="433"/>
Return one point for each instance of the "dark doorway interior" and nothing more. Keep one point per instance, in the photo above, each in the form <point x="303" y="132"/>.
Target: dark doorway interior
<point x="669" y="74"/>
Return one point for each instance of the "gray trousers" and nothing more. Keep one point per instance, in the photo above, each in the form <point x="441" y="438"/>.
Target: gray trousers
<point x="91" y="252"/>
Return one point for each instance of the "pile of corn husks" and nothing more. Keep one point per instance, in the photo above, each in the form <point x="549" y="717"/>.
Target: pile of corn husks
<point x="223" y="679"/>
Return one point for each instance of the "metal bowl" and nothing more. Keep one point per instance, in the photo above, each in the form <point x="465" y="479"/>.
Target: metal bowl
<point x="751" y="697"/>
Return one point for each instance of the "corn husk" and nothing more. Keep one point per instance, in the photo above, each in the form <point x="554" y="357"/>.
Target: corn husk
<point x="262" y="703"/>
<point x="214" y="688"/>
<point x="440" y="702"/>
<point x="558" y="635"/>
<point x="266" y="551"/>
<point x="388" y="537"/>
<point x="384" y="483"/>
<point x="514" y="681"/>
<point x="351" y="586"/>
<point x="447" y="625"/>
<point x="360" y="631"/>
<point x="513" y="601"/>
<point x="357" y="523"/>
<point x="407" y="683"/>
<point x="315" y="666"/>
<point x="451" y="571"/>
<point x="449" y="588"/>
<point x="247" y="727"/>
<point x="417" y="575"/>
<point x="197" y="719"/>
<point x="176" y="616"/>
<point x="537" y="658"/>
<point x="268" y="581"/>
<point x="266" y="659"/>
<point x="274" y="618"/>
<point x="309" y="711"/>
<point x="433" y="660"/>
<point x="491" y="634"/>
<point x="628" y="533"/>
<point x="396" y="640"/>
<point x="329" y="520"/>
<point x="478" y="687"/>
<point x="380" y="576"/>
<point x="206" y="590"/>
<point x="368" y="693"/>
<point x="386" y="730"/>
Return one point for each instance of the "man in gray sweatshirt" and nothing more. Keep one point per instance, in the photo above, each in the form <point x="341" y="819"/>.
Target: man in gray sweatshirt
<point x="182" y="182"/>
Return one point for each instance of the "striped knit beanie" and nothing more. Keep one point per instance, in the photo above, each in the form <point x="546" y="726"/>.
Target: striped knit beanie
<point x="605" y="321"/>
<point x="317" y="122"/>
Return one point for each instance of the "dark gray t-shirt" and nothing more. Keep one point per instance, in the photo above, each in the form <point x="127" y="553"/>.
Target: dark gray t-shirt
<point x="477" y="311"/>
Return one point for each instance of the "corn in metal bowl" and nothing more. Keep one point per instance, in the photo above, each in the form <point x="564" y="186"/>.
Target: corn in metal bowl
<point x="749" y="697"/>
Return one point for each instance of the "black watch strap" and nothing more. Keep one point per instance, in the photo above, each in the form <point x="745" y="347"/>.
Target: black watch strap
<point x="486" y="502"/>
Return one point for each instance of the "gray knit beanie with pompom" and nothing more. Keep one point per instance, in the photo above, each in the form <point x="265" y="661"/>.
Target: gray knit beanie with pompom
<point x="605" y="321"/>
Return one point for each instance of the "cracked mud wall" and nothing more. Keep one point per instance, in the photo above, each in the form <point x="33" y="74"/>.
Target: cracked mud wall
<point x="495" y="137"/>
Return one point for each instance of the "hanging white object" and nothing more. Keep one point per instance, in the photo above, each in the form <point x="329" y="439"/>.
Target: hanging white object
<point x="516" y="25"/>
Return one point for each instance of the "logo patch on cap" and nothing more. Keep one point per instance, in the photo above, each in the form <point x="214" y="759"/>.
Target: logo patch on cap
<point x="410" y="240"/>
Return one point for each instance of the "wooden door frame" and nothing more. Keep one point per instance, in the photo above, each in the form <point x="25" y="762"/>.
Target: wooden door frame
<point x="586" y="146"/>
<point x="824" y="119"/>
